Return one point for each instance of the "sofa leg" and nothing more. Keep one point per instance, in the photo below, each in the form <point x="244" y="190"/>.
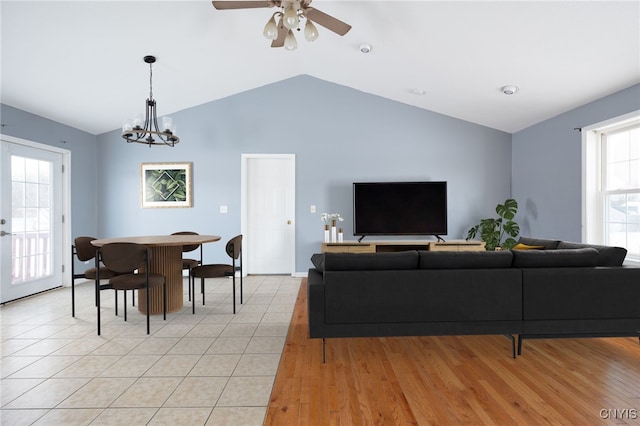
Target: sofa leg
<point x="324" y="359"/>
<point x="513" y="344"/>
<point x="520" y="344"/>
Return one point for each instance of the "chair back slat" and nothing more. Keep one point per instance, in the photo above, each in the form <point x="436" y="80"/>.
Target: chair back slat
<point x="188" y="247"/>
<point x="125" y="257"/>
<point x="234" y="247"/>
<point x="84" y="249"/>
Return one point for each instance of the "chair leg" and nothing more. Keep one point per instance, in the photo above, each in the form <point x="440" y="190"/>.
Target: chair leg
<point x="164" y="299"/>
<point x="192" y="288"/>
<point x="148" y="309"/>
<point x="73" y="296"/>
<point x="116" y="300"/>
<point x="240" y="287"/>
<point x="133" y="297"/>
<point x="202" y="289"/>
<point x="125" y="303"/>
<point x="98" y="304"/>
<point x="234" y="292"/>
<point x="189" y="284"/>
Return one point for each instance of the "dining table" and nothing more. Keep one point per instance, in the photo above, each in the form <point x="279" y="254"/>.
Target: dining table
<point x="166" y="259"/>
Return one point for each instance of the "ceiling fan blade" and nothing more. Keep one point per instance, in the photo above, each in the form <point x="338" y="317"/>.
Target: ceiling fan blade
<point x="327" y="21"/>
<point x="240" y="4"/>
<point x="282" y="33"/>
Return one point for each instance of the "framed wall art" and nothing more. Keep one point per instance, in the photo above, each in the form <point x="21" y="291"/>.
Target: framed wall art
<point x="165" y="185"/>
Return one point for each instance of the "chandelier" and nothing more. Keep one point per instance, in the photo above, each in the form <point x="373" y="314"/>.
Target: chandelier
<point x="148" y="132"/>
<point x="289" y="19"/>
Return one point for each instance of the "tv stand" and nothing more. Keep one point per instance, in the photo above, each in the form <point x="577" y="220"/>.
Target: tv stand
<point x="395" y="246"/>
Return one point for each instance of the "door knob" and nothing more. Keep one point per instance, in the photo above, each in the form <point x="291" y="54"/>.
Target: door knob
<point x="288" y="222"/>
<point x="2" y="233"/>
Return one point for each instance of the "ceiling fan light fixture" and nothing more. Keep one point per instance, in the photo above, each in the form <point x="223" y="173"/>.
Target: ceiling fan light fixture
<point x="310" y="31"/>
<point x="290" y="42"/>
<point x="291" y="20"/>
<point x="271" y="29"/>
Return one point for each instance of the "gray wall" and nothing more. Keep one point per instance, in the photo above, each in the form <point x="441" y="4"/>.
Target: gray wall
<point x="339" y="135"/>
<point x="547" y="166"/>
<point x="84" y="205"/>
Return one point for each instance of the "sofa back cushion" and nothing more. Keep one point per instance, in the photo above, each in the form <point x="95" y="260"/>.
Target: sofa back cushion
<point x="607" y="255"/>
<point x="582" y="257"/>
<point x="366" y="261"/>
<point x="464" y="259"/>
<point x="543" y="242"/>
<point x="427" y="295"/>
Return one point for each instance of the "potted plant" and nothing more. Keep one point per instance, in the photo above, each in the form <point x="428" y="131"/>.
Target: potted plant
<point x="493" y="230"/>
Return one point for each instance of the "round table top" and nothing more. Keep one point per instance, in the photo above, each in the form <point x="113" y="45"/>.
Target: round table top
<point x="159" y="240"/>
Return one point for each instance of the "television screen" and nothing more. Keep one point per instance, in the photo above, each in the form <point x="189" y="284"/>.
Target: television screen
<point x="399" y="208"/>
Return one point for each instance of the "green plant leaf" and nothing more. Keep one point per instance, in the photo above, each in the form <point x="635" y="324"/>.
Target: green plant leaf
<point x="509" y="243"/>
<point x="512" y="228"/>
<point x="472" y="232"/>
<point x="507" y="210"/>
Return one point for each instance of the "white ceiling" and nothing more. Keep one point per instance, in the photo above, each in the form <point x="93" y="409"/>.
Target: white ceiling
<point x="80" y="62"/>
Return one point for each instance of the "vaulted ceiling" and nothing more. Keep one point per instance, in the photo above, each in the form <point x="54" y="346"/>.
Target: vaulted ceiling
<point x="80" y="62"/>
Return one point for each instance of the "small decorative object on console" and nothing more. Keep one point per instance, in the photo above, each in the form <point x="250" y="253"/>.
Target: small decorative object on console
<point x="330" y="219"/>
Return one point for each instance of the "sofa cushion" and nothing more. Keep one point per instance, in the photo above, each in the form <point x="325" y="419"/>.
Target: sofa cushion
<point x="464" y="259"/>
<point x="582" y="257"/>
<point x="366" y="261"/>
<point x="607" y="255"/>
<point x="547" y="244"/>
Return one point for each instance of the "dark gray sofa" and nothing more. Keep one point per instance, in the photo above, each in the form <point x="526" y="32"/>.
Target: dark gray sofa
<point x="561" y="291"/>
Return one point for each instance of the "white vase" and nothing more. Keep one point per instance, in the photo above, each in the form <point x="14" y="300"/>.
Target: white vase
<point x="326" y="234"/>
<point x="334" y="236"/>
<point x="340" y="236"/>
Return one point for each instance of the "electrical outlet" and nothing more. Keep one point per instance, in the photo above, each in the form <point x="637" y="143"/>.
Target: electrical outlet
<point x="313" y="209"/>
<point x="223" y="209"/>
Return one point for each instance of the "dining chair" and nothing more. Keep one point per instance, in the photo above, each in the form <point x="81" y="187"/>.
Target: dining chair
<point x="234" y="250"/>
<point x="188" y="263"/>
<point x="85" y="251"/>
<point x="132" y="263"/>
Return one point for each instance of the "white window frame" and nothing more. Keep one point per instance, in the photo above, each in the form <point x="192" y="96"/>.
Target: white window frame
<point x="593" y="217"/>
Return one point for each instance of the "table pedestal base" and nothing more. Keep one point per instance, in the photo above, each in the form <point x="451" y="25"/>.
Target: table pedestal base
<point x="165" y="260"/>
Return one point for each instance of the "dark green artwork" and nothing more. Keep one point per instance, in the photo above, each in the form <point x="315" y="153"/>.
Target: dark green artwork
<point x="166" y="185"/>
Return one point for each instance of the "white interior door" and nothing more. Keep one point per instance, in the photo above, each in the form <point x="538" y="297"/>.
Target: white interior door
<point x="31" y="242"/>
<point x="268" y="211"/>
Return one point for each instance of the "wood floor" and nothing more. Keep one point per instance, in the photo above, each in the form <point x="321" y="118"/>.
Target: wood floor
<point x="457" y="380"/>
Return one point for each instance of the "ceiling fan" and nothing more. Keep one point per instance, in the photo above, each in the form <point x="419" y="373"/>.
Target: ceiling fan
<point x="282" y="23"/>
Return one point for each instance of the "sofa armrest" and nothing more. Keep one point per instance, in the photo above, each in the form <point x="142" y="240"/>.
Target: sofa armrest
<point x="315" y="302"/>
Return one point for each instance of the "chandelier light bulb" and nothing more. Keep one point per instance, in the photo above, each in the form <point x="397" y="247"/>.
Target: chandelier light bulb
<point x="290" y="19"/>
<point x="290" y="42"/>
<point x="310" y="31"/>
<point x="271" y="29"/>
<point x="167" y="124"/>
<point x="127" y="126"/>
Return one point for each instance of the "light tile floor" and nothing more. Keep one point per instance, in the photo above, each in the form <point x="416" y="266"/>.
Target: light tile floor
<point x="211" y="368"/>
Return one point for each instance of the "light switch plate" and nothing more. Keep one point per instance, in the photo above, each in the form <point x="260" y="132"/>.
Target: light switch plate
<point x="223" y="209"/>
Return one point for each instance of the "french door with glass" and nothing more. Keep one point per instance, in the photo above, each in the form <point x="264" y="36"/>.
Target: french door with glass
<point x="31" y="252"/>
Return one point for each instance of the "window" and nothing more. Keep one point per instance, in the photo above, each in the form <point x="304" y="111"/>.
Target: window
<point x="612" y="184"/>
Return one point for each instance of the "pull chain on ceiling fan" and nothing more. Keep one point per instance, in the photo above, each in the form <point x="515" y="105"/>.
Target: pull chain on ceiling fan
<point x="282" y="23"/>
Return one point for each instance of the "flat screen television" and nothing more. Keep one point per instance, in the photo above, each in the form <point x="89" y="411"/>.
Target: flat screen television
<point x="399" y="208"/>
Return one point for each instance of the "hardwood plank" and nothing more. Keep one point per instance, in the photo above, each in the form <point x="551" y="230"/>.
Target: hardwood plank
<point x="436" y="380"/>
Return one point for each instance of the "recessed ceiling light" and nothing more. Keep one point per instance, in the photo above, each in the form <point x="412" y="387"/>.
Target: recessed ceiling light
<point x="365" y="47"/>
<point x="509" y="90"/>
<point x="418" y="91"/>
